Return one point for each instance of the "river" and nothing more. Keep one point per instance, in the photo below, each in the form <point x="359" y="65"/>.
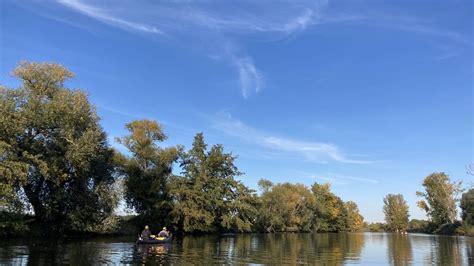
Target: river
<point x="245" y="249"/>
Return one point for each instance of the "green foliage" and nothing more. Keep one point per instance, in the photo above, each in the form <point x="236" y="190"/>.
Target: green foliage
<point x="14" y="223"/>
<point x="448" y="228"/>
<point x="331" y="214"/>
<point x="147" y="172"/>
<point x="207" y="198"/>
<point x="465" y="229"/>
<point x="286" y="207"/>
<point x="440" y="198"/>
<point x="294" y="207"/>
<point x="265" y="185"/>
<point x="376" y="227"/>
<point x="55" y="160"/>
<point x="355" y="221"/>
<point x="54" y="155"/>
<point x="396" y="212"/>
<point x="419" y="226"/>
<point x="467" y="207"/>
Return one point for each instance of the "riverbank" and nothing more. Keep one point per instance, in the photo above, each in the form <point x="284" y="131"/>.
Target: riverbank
<point x="457" y="228"/>
<point x="25" y="225"/>
<point x="16" y="225"/>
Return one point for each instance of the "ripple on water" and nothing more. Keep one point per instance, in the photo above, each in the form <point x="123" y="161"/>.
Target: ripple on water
<point x="249" y="249"/>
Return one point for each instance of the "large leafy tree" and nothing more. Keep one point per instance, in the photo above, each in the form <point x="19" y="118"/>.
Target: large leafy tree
<point x="355" y="221"/>
<point x="207" y="197"/>
<point x="331" y="212"/>
<point x="396" y="212"/>
<point x="147" y="171"/>
<point x="439" y="198"/>
<point x="54" y="155"/>
<point x="285" y="207"/>
<point x="467" y="206"/>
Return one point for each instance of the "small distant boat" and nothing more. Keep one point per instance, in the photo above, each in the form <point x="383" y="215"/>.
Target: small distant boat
<point x="157" y="240"/>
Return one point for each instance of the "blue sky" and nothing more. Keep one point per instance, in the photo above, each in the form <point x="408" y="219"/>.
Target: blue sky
<point x="371" y="96"/>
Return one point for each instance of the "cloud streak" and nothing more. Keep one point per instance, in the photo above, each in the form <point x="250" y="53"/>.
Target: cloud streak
<point x="338" y="179"/>
<point x="250" y="77"/>
<point x="101" y="14"/>
<point x="312" y="151"/>
<point x="222" y="28"/>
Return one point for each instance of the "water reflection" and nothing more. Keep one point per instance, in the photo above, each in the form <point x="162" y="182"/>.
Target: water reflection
<point x="447" y="250"/>
<point x="314" y="249"/>
<point x="399" y="250"/>
<point x="470" y="250"/>
<point x="273" y="248"/>
<point x="153" y="253"/>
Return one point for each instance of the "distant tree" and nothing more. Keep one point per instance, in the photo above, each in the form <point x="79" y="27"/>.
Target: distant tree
<point x="440" y="198"/>
<point x="355" y="221"/>
<point x="207" y="198"/>
<point x="396" y="212"/>
<point x="420" y="226"/>
<point x="265" y="185"/>
<point x="330" y="210"/>
<point x="376" y="227"/>
<point x="286" y="207"/>
<point x="467" y="207"/>
<point x="147" y="171"/>
<point x="54" y="155"/>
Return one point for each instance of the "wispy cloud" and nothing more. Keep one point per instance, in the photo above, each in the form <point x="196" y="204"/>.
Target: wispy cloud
<point x="415" y="25"/>
<point x="212" y="26"/>
<point x="312" y="151"/>
<point x="102" y="15"/>
<point x="338" y="179"/>
<point x="250" y="77"/>
<point x="216" y="26"/>
<point x="119" y="112"/>
<point x="300" y="22"/>
<point x="446" y="52"/>
<point x="188" y="131"/>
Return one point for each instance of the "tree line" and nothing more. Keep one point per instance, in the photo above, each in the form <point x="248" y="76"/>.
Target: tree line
<point x="56" y="163"/>
<point x="439" y="201"/>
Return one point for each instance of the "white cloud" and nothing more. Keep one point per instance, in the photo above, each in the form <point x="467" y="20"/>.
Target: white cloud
<point x="313" y="151"/>
<point x="119" y="112"/>
<point x="300" y="22"/>
<point x="213" y="26"/>
<point x="427" y="29"/>
<point x="205" y="24"/>
<point x="101" y="14"/>
<point x="353" y="178"/>
<point x="250" y="77"/>
<point x="258" y="17"/>
<point x="338" y="179"/>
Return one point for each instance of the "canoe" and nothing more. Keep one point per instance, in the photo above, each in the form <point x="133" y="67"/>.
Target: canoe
<point x="154" y="241"/>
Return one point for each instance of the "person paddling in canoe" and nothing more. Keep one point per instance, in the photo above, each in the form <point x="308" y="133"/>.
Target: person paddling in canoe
<point x="164" y="233"/>
<point x="147" y="238"/>
<point x="146" y="234"/>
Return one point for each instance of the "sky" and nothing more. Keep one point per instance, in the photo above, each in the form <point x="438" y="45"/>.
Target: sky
<point x="371" y="96"/>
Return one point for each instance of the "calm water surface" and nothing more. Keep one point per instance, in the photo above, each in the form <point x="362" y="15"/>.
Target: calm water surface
<point x="309" y="248"/>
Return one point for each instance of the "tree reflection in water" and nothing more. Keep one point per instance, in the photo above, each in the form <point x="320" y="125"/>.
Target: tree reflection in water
<point x="273" y="248"/>
<point x="470" y="250"/>
<point x="447" y="250"/>
<point x="399" y="250"/>
<point x="279" y="248"/>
